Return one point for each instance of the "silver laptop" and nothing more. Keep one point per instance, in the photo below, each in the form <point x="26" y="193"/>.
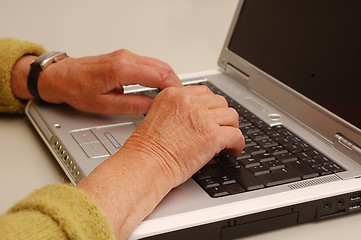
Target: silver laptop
<point x="290" y="68"/>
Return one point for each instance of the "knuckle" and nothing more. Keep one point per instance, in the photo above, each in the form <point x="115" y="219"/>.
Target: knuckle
<point x="205" y="89"/>
<point x="169" y="92"/>
<point x="164" y="74"/>
<point x="122" y="53"/>
<point x="119" y="59"/>
<point x="223" y="100"/>
<point x="234" y="113"/>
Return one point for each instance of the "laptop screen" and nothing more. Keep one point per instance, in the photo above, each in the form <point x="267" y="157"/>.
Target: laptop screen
<point x="312" y="46"/>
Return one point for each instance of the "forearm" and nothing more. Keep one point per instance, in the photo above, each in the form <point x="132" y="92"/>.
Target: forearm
<point x="127" y="187"/>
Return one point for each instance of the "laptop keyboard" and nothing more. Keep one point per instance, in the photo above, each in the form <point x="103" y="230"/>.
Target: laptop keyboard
<point x="272" y="156"/>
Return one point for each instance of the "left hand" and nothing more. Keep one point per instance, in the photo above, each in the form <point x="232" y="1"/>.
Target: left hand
<point x="95" y="84"/>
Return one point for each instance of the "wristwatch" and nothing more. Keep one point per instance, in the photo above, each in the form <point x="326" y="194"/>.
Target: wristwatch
<point x="38" y="65"/>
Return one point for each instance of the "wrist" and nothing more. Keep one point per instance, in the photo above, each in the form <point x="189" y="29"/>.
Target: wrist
<point x="156" y="158"/>
<point x="19" y="75"/>
<point x="52" y="84"/>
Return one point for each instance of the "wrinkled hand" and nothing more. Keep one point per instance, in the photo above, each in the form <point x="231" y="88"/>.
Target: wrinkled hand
<point x="185" y="127"/>
<point x="182" y="131"/>
<point x="95" y="84"/>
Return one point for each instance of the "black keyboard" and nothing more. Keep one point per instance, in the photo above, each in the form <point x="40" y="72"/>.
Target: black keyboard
<point x="272" y="156"/>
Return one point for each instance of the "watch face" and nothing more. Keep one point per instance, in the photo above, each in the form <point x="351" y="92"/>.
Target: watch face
<point x="48" y="58"/>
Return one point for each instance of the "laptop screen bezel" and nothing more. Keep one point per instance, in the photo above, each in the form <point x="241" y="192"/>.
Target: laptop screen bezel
<point x="313" y="115"/>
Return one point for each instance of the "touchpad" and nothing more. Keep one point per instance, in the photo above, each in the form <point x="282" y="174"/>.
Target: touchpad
<point x="113" y="137"/>
<point x="105" y="140"/>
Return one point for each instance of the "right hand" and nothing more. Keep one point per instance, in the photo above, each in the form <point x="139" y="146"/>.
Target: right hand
<point x="184" y="128"/>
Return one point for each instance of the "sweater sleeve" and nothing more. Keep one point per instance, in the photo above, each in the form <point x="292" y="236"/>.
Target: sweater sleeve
<point x="55" y="212"/>
<point x="10" y="51"/>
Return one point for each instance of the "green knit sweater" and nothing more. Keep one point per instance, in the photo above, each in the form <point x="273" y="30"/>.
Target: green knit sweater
<point x="56" y="211"/>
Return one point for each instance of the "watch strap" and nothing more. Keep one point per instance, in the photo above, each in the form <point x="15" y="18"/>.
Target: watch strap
<point x="38" y="65"/>
<point x="33" y="80"/>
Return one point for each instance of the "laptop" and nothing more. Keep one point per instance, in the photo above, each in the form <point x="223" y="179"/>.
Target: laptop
<point x="290" y="68"/>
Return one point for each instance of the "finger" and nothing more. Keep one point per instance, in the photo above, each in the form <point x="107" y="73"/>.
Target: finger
<point x="225" y="116"/>
<point x="216" y="101"/>
<point x="205" y="95"/>
<point x="149" y="76"/>
<point x="143" y="60"/>
<point x="123" y="104"/>
<point x="232" y="140"/>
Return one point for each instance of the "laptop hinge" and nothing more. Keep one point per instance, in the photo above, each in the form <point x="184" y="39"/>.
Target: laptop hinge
<point x="347" y="146"/>
<point x="237" y="74"/>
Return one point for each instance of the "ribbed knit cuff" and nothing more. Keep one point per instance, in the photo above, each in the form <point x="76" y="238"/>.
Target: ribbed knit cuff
<point x="10" y="51"/>
<point x="75" y="212"/>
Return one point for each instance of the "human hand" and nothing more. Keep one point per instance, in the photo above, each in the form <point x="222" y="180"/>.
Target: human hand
<point x="95" y="84"/>
<point x="182" y="131"/>
<point x="185" y="128"/>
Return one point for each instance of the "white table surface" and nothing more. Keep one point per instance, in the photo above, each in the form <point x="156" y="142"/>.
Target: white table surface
<point x="188" y="34"/>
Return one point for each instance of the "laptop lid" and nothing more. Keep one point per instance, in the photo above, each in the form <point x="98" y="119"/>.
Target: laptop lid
<point x="304" y="57"/>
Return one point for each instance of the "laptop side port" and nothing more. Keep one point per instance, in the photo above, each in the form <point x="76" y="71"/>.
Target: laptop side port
<point x="355" y="206"/>
<point x="355" y="196"/>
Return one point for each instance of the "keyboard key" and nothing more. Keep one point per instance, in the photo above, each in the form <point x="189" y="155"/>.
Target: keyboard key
<point x="249" y="142"/>
<point x="293" y="148"/>
<point x="269" y="142"/>
<point x="275" y="150"/>
<point x="262" y="157"/>
<point x="244" y="123"/>
<point x="249" y="162"/>
<point x="275" y="135"/>
<point x="278" y="177"/>
<point x="258" y="170"/>
<point x="284" y="141"/>
<point x="226" y="179"/>
<point x="270" y="130"/>
<point x="251" y="117"/>
<point x="323" y="159"/>
<point x="234" y="188"/>
<point x="225" y="161"/>
<point x="273" y="165"/>
<point x="303" y="170"/>
<point x="220" y="175"/>
<point x="249" y="129"/>
<point x="286" y="157"/>
<point x="314" y="162"/>
<point x="323" y="170"/>
<point x="335" y="168"/>
<point x="208" y="182"/>
<point x="303" y="156"/>
<point x="304" y="146"/>
<point x="286" y="133"/>
<point x="201" y="174"/>
<point x="313" y="153"/>
<point x="217" y="191"/>
<point x="258" y="136"/>
<point x="244" y="177"/>
<point x="243" y="155"/>
<point x="295" y="139"/>
<point x="255" y="150"/>
<point x="258" y="123"/>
